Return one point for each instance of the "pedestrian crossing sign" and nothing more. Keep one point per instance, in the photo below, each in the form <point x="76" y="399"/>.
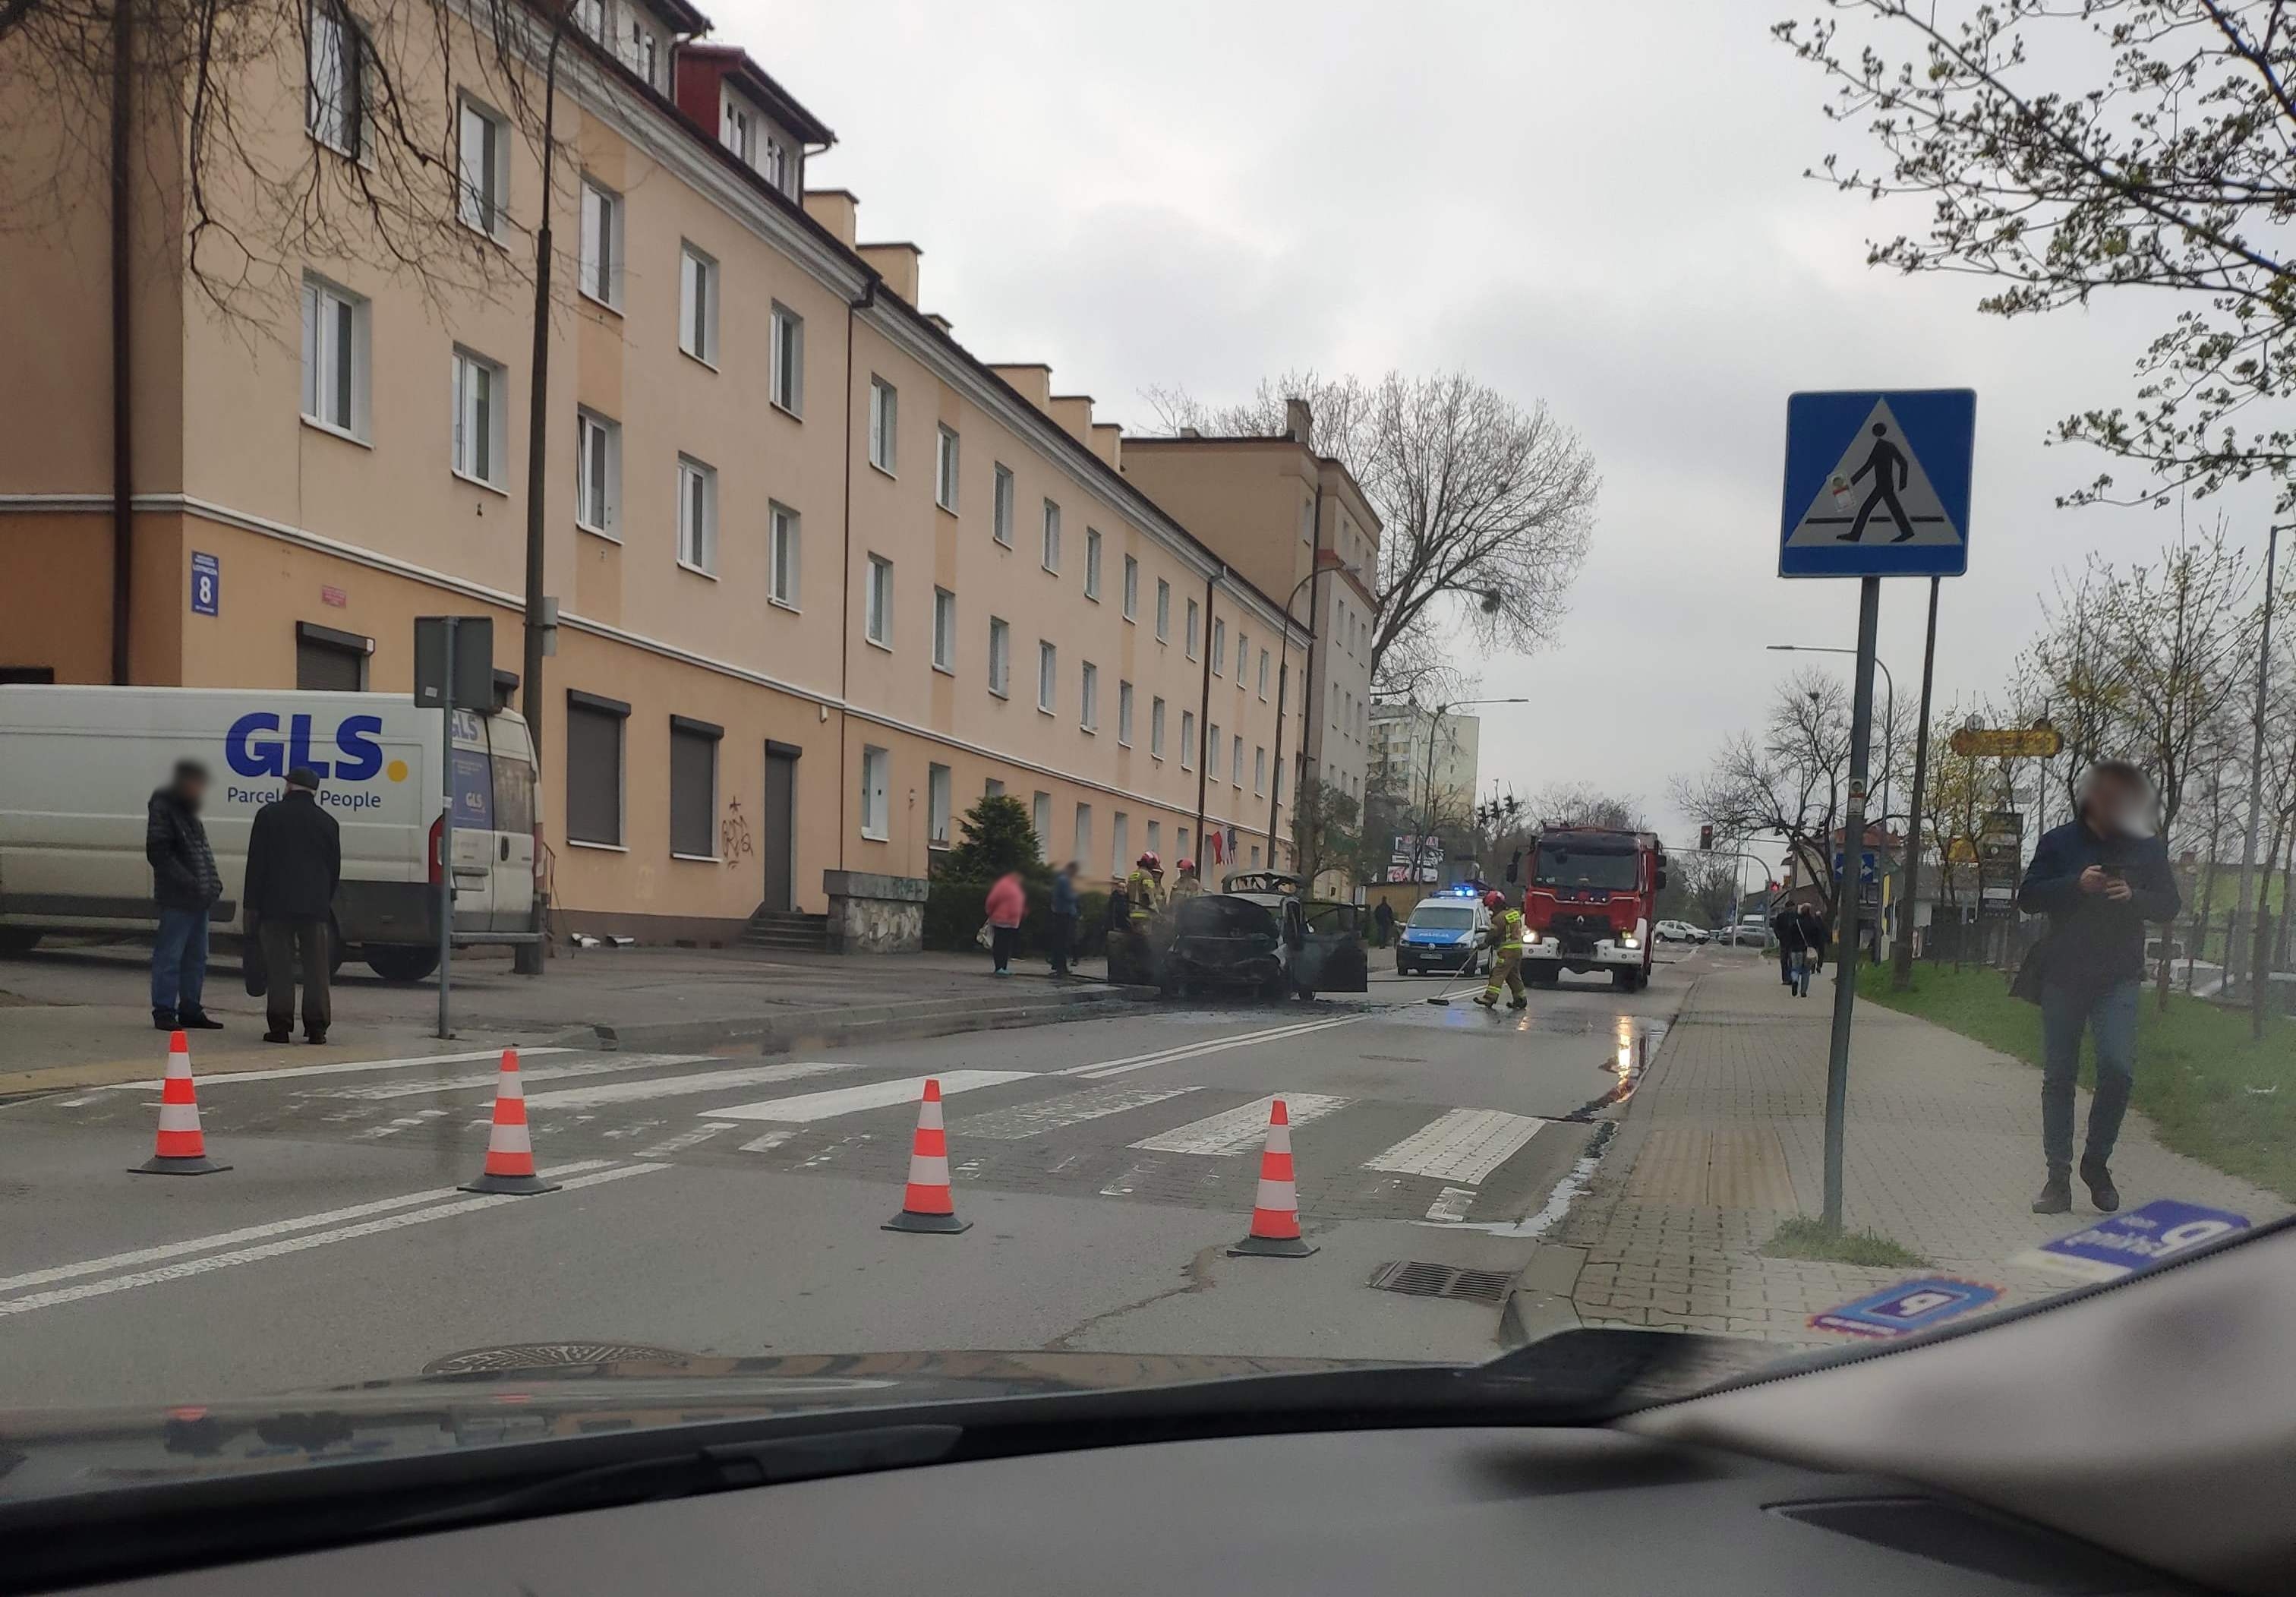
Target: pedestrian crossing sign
<point x="1877" y="483"/>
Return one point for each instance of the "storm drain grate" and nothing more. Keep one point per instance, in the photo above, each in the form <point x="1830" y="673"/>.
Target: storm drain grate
<point x="1418" y="1278"/>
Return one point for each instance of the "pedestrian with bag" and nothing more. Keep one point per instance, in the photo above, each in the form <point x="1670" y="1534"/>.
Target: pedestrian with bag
<point x="1793" y="947"/>
<point x="1814" y="937"/>
<point x="1065" y="909"/>
<point x="2099" y="879"/>
<point x="1008" y="901"/>
<point x="185" y="885"/>
<point x="294" y="864"/>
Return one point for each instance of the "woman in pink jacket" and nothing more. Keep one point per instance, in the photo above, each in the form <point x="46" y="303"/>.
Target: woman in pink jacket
<point x="1007" y="903"/>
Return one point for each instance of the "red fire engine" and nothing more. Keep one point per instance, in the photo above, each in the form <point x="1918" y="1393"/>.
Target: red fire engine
<point x="1592" y="902"/>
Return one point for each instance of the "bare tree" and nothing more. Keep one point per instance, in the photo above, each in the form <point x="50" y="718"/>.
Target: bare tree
<point x="2071" y="146"/>
<point x="1485" y="507"/>
<point x="1583" y="805"/>
<point x="1788" y="780"/>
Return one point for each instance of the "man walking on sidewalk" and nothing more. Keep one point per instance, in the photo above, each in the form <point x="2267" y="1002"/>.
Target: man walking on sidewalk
<point x="185" y="884"/>
<point x="294" y="863"/>
<point x="2099" y="877"/>
<point x="1785" y="925"/>
<point x="1064" y="910"/>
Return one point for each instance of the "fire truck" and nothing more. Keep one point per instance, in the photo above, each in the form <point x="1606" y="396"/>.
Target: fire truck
<point x="1592" y="904"/>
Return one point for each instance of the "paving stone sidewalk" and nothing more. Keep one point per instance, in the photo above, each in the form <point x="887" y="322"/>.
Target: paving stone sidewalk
<point x="1725" y="1138"/>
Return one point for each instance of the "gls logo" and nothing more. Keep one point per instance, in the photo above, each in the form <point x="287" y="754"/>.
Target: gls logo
<point x="355" y="740"/>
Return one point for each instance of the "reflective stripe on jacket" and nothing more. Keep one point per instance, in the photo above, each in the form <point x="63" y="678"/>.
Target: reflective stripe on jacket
<point x="1511" y="932"/>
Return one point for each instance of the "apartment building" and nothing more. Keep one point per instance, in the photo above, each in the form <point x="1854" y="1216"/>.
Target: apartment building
<point x="825" y="577"/>
<point x="1403" y="738"/>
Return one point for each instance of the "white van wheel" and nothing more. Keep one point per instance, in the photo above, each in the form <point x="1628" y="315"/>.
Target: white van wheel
<point x="401" y="964"/>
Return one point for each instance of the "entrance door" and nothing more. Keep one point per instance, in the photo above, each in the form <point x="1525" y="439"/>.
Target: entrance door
<point x="779" y="843"/>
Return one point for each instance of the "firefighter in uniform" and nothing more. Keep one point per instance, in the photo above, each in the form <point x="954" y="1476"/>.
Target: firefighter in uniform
<point x="1184" y="885"/>
<point x="1506" y="966"/>
<point x="1145" y="888"/>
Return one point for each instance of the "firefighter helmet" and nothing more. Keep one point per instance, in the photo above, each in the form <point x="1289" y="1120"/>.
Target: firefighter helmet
<point x="1149" y="861"/>
<point x="1494" y="900"/>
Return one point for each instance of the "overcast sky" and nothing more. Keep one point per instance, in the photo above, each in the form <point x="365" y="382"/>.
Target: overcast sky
<point x="1610" y="219"/>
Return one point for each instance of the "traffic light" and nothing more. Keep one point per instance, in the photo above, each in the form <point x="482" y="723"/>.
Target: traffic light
<point x="1705" y="838"/>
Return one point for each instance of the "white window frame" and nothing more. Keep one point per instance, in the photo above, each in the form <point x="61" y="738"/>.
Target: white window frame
<point x="697" y="546"/>
<point x="737" y="126"/>
<point x="876" y="796"/>
<point x="784" y="556"/>
<point x="599" y="273"/>
<point x="334" y="113"/>
<point x="1001" y="511"/>
<point x="944" y="465"/>
<point x="1080" y="841"/>
<point x="938" y="805"/>
<point x="481" y="174"/>
<point x="1260" y="769"/>
<point x="1048" y="677"/>
<point x="788" y="384"/>
<point x="1000" y="657"/>
<point x="1088" y="698"/>
<point x="1211" y="749"/>
<point x="597" y="474"/>
<point x="1092" y="564"/>
<point x="1040" y="821"/>
<point x="773" y="162"/>
<point x="1242" y="655"/>
<point x="1156" y="727"/>
<point x="1219" y="646"/>
<point x="643" y="52"/>
<point x="1263" y="676"/>
<point x="944" y="645"/>
<point x="1155" y="836"/>
<point x="697" y="288"/>
<point x="1131" y="589"/>
<point x="331" y="313"/>
<point x="1123" y="714"/>
<point x="884" y="424"/>
<point x="877" y="608"/>
<point x="1236" y="760"/>
<point x="480" y="437"/>
<point x="1187" y="740"/>
<point x="1163" y="610"/>
<point x="1052" y="561"/>
<point x="1195" y="628"/>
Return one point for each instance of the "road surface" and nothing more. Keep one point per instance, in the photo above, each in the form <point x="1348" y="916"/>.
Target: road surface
<point x="726" y="1204"/>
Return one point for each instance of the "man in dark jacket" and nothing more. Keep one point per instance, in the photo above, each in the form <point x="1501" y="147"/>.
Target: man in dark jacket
<point x="1785" y="925"/>
<point x="1814" y="936"/>
<point x="184" y="882"/>
<point x="2099" y="877"/>
<point x="294" y="862"/>
<point x="1061" y="932"/>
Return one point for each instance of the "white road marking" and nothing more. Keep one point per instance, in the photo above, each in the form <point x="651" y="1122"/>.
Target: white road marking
<point x="1451" y="1206"/>
<point x="79" y="1102"/>
<point x="1023" y="1121"/>
<point x="1121" y="1187"/>
<point x="684" y="1140"/>
<point x="613" y="1065"/>
<point x="255" y="1233"/>
<point x="678" y="1086"/>
<point x="224" y="1078"/>
<point x="376" y="1133"/>
<point x="1465" y="1145"/>
<point x="873" y="1095"/>
<point x="267" y="1250"/>
<point x="1101" y="1069"/>
<point x="766" y="1143"/>
<point x="1244" y="1127"/>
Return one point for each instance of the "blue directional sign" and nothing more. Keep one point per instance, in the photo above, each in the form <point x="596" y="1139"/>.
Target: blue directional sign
<point x="1904" y="1309"/>
<point x="1877" y="483"/>
<point x="2119" y="1244"/>
<point x="206" y="584"/>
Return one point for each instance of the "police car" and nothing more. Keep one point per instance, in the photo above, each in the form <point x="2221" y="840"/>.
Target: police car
<point x="1447" y="931"/>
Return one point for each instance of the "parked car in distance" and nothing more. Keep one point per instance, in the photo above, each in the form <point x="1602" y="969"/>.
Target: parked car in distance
<point x="1680" y="930"/>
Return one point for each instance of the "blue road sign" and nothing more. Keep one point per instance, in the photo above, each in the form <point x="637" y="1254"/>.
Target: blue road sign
<point x="1904" y="1309"/>
<point x="1877" y="483"/>
<point x="2118" y="1244"/>
<point x="206" y="584"/>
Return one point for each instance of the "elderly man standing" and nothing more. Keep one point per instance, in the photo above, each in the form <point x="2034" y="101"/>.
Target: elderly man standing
<point x="185" y="885"/>
<point x="294" y="863"/>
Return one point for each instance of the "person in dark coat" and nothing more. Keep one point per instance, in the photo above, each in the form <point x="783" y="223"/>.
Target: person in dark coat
<point x="185" y="884"/>
<point x="2099" y="877"/>
<point x="1382" y="924"/>
<point x="1785" y="925"/>
<point x="1815" y="937"/>
<point x="294" y="863"/>
<point x="1065" y="907"/>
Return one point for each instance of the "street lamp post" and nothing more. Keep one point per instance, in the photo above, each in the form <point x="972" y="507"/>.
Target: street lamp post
<point x="1283" y="687"/>
<point x="1888" y="737"/>
<point x="1434" y="730"/>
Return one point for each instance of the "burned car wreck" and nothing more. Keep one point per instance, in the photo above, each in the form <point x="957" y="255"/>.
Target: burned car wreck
<point x="1264" y="943"/>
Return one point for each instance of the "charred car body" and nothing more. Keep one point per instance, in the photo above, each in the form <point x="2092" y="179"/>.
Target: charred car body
<point x="1258" y="936"/>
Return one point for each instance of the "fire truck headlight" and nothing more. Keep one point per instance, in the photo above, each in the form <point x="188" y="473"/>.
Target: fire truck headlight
<point x="1627" y="939"/>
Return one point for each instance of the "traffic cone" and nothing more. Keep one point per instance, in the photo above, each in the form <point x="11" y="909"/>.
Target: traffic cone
<point x="182" y="1147"/>
<point x="1274" y="1232"/>
<point x="929" y="1205"/>
<point x="510" y="1151"/>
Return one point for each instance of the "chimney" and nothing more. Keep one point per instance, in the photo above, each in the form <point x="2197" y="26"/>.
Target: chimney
<point x="1107" y="442"/>
<point x="896" y="264"/>
<point x="1074" y="413"/>
<point x="1034" y="383"/>
<point x="1299" y="422"/>
<point x="1192" y="432"/>
<point x="837" y="209"/>
<point x="937" y="320"/>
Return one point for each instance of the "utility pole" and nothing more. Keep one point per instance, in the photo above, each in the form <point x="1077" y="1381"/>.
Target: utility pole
<point x="1845" y="970"/>
<point x="1901" y="974"/>
<point x="2256" y="973"/>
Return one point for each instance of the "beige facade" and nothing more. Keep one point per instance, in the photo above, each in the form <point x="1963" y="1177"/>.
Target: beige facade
<point x="829" y="609"/>
<point x="1403" y="737"/>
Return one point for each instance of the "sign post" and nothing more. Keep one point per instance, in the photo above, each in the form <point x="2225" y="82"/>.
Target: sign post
<point x="454" y="665"/>
<point x="1876" y="485"/>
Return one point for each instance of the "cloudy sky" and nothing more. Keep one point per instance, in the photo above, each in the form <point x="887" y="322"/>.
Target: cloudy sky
<point x="1607" y="217"/>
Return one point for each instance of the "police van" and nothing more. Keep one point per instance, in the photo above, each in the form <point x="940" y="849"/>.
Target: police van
<point x="78" y="766"/>
<point x="1447" y="931"/>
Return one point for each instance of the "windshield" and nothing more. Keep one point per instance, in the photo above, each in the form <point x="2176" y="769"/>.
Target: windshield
<point x="965" y="492"/>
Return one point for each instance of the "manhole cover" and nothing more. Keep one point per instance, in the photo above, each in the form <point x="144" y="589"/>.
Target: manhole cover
<point x="551" y="1355"/>
<point x="1417" y="1277"/>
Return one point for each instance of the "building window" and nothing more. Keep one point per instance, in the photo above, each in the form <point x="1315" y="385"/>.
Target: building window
<point x="1000" y="657"/>
<point x="1000" y="519"/>
<point x="1052" y="536"/>
<point x="1255" y="856"/>
<point x="879" y="623"/>
<point x="737" y="130"/>
<point x="1163" y="610"/>
<point x="593" y="768"/>
<point x="1242" y="655"/>
<point x="1131" y="589"/>
<point x="993" y="789"/>
<point x="785" y="540"/>
<point x="1156" y="727"/>
<point x="1187" y="740"/>
<point x="1048" y="677"/>
<point x="641" y="48"/>
<point x="945" y="471"/>
<point x="1090" y="718"/>
<point x="1182" y="852"/>
<point x="1219" y="644"/>
<point x="335" y="337"/>
<point x="937" y="805"/>
<point x="1124" y="713"/>
<point x="600" y="276"/>
<point x="1236" y="760"/>
<point x="483" y="171"/>
<point x="1082" y="848"/>
<point x="1092" y="564"/>
<point x="944" y="657"/>
<point x="773" y="162"/>
<point x="1212" y="753"/>
<point x="1040" y="816"/>
<point x="694" y="788"/>
<point x="1263" y="675"/>
<point x="590" y="17"/>
<point x="480" y="419"/>
<point x="697" y="306"/>
<point x="335" y="112"/>
<point x="597" y="474"/>
<point x="876" y="809"/>
<point x="1193" y="618"/>
<point x="1258" y="769"/>
<point x="697" y="515"/>
<point x="1119" y="836"/>
<point x="788" y="389"/>
<point x="1156" y="837"/>
<point x="885" y="423"/>
<point x="328" y="659"/>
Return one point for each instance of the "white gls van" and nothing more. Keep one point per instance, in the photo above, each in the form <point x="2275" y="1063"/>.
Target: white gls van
<point x="78" y="766"/>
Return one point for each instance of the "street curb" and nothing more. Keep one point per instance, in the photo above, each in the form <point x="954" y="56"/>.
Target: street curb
<point x="1539" y="1304"/>
<point x="858" y="1023"/>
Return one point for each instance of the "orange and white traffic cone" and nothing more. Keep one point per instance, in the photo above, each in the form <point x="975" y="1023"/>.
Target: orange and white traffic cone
<point x="510" y="1151"/>
<point x="1274" y="1232"/>
<point x="929" y="1205"/>
<point x="182" y="1147"/>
